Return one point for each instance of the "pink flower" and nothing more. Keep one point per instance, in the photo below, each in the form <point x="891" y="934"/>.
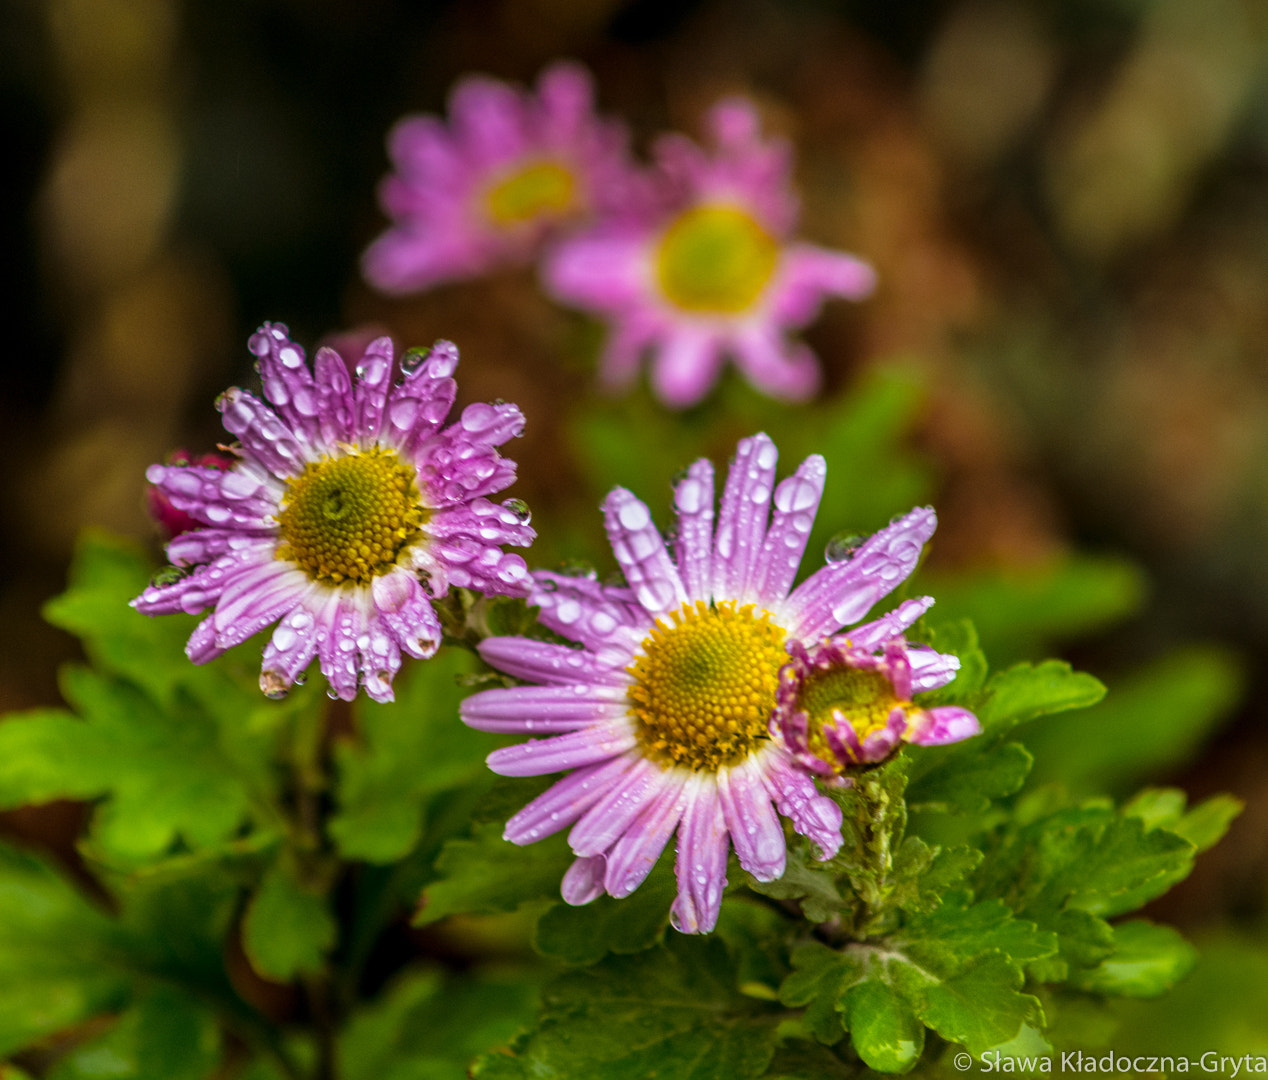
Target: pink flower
<point x="842" y="702"/>
<point x="348" y="506"/>
<point x="509" y="169"/>
<point x="714" y="273"/>
<point x="663" y="718"/>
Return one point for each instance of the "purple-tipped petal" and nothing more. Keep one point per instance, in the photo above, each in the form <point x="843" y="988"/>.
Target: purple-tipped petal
<point x="566" y="800"/>
<point x="583" y="880"/>
<point x="632" y="857"/>
<point x="540" y="756"/>
<point x="641" y="553"/>
<point x="374" y="382"/>
<point x="543" y="709"/>
<point x="796" y="502"/>
<point x="552" y="665"/>
<point x="287" y="383"/>
<point x="336" y="403"/>
<point x="874" y="634"/>
<point x="742" y="520"/>
<point x="693" y="547"/>
<point x="880" y="743"/>
<point x="407" y="613"/>
<point x="344" y="622"/>
<point x="782" y="369"/>
<point x="380" y="659"/>
<point x="255" y="599"/>
<point x="796" y="797"/>
<point x="842" y="593"/>
<point x="701" y="862"/>
<point x="941" y="725"/>
<point x="201" y="647"/>
<point x="419" y="405"/>
<point x="291" y="649"/>
<point x="262" y="433"/>
<point x="598" y="616"/>
<point x="200" y="492"/>
<point x="601" y="825"/>
<point x="930" y="669"/>
<point x="751" y="820"/>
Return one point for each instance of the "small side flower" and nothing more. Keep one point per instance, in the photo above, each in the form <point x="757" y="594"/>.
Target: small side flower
<point x="847" y="701"/>
<point x="347" y="508"/>
<point x="712" y="272"/>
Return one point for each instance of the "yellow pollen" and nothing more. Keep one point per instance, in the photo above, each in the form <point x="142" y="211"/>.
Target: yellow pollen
<point x="347" y="518"/>
<point x="865" y="698"/>
<point x="715" y="259"/>
<point x="544" y="189"/>
<point x="704" y="687"/>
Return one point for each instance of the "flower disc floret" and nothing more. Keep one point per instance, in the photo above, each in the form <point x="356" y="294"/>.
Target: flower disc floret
<point x="864" y="698"/>
<point x="543" y="190"/>
<point x="347" y="518"/>
<point x="715" y="259"/>
<point x="705" y="684"/>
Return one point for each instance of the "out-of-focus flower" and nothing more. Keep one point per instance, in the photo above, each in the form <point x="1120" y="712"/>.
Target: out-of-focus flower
<point x="843" y="703"/>
<point x="664" y="716"/>
<point x="173" y="522"/>
<point x="485" y="190"/>
<point x="348" y="506"/>
<point x="712" y="273"/>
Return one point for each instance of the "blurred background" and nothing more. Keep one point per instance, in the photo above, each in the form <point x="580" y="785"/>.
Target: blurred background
<point x="1066" y="202"/>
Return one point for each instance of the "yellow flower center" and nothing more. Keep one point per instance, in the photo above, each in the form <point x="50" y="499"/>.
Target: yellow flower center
<point x="865" y="698"/>
<point x="544" y="189"/>
<point x="347" y="518"/>
<point x="704" y="687"/>
<point x="715" y="259"/>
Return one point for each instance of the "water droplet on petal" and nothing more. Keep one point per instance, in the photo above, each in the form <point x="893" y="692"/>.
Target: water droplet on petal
<point x="168" y="575"/>
<point x="413" y="359"/>
<point x="519" y="508"/>
<point x="841" y="548"/>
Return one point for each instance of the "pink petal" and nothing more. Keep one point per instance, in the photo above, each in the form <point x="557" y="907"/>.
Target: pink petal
<point x="537" y="757"/>
<point x="742" y="521"/>
<point x="566" y="800"/>
<point x="641" y="553"/>
<point x="693" y="545"/>
<point x="796" y="503"/>
<point x="632" y="857"/>
<point x="606" y="821"/>
<point x="701" y="863"/>
<point x="583" y="880"/>
<point x="751" y="820"/>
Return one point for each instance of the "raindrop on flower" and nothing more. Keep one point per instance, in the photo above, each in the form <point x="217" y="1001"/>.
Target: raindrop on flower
<point x="413" y="359"/>
<point x="520" y="509"/>
<point x="168" y="575"/>
<point x="841" y="548"/>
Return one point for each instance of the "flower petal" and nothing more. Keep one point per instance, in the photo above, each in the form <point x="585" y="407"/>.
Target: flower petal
<point x="404" y="609"/>
<point x="796" y="503"/>
<point x="537" y="757"/>
<point x="542" y="709"/>
<point x="287" y="382"/>
<point x="550" y="664"/>
<point x="941" y="725"/>
<point x="783" y="369"/>
<point x="641" y="553"/>
<point x="751" y="820"/>
<point x="693" y="544"/>
<point x="686" y="365"/>
<point x="566" y="800"/>
<point x="796" y="797"/>
<point x="701" y="863"/>
<point x="742" y="521"/>
<point x="601" y="617"/>
<point x="374" y="382"/>
<point x="263" y="434"/>
<point x="632" y="857"/>
<point x="606" y="821"/>
<point x="874" y="634"/>
<point x="843" y="592"/>
<point x="422" y="400"/>
<point x="583" y="880"/>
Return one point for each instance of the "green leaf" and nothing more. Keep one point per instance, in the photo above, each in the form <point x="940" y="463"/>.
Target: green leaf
<point x="1026" y="691"/>
<point x="167" y="1034"/>
<point x="957" y="931"/>
<point x="807" y="881"/>
<point x="1021" y="613"/>
<point x="817" y="980"/>
<point x="1148" y="960"/>
<point x="981" y="1006"/>
<point x="671" y="1012"/>
<point x="966" y="777"/>
<point x="1156" y="719"/>
<point x="486" y="874"/>
<point x="959" y="637"/>
<point x="584" y="935"/>
<point x="883" y="1029"/>
<point x="1203" y="826"/>
<point x="426" y="1026"/>
<point x="54" y="950"/>
<point x="407" y="753"/>
<point x="288" y="929"/>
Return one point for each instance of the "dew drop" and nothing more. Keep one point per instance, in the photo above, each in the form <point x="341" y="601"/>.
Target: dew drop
<point x="413" y="359"/>
<point x="634" y="515"/>
<point x="841" y="548"/>
<point x="284" y="638"/>
<point x="168" y="575"/>
<point x="519" y="509"/>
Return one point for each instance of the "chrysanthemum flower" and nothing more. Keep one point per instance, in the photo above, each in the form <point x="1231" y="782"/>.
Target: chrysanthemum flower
<point x="664" y="716"/>
<point x="848" y="700"/>
<point x="506" y="172"/>
<point x="348" y="506"/>
<point x="714" y="274"/>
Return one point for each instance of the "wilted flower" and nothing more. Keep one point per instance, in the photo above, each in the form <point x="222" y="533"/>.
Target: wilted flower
<point x="664" y="716"/>
<point x="714" y="273"/>
<point x="848" y="700"/>
<point x="347" y="507"/>
<point x="505" y="173"/>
